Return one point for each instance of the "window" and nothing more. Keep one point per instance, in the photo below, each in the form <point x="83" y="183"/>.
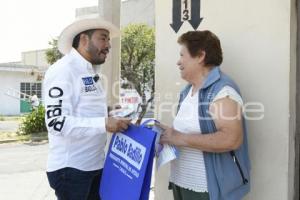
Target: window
<point x="29" y="88"/>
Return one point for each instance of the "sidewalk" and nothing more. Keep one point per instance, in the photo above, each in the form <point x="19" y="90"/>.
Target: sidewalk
<point x="9" y="126"/>
<point x="25" y="186"/>
<point x="22" y="175"/>
<point x="22" y="172"/>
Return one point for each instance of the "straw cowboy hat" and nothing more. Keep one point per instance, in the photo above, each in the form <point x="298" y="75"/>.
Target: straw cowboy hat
<point x="85" y="22"/>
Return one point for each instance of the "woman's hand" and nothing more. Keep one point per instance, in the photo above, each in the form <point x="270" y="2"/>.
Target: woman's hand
<point x="170" y="136"/>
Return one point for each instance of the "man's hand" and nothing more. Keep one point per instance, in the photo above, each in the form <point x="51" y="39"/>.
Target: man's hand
<point x="115" y="125"/>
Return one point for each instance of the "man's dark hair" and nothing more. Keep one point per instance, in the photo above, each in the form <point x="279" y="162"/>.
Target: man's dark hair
<point x="76" y="39"/>
<point x="197" y="41"/>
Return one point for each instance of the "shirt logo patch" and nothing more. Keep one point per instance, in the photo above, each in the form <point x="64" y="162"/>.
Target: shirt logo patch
<point x="88" y="84"/>
<point x="88" y="80"/>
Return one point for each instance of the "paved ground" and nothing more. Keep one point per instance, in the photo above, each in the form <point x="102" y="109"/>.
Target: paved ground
<point x="9" y="126"/>
<point x="22" y="172"/>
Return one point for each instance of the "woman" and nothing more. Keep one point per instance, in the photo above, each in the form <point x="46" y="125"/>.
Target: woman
<point x="209" y="129"/>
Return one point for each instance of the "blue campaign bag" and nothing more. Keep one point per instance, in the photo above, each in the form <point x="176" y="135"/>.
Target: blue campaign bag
<point x="128" y="165"/>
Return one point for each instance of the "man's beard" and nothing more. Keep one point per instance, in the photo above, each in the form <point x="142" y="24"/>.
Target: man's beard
<point x="95" y="54"/>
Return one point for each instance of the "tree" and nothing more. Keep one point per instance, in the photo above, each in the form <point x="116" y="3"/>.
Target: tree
<point x="52" y="54"/>
<point x="137" y="60"/>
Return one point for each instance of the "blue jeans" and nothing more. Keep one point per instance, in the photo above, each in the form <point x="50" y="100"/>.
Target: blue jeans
<point x="74" y="184"/>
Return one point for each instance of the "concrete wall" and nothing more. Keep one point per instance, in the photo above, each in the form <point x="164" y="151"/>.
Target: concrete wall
<point x="86" y="11"/>
<point x="258" y="39"/>
<point x="110" y="10"/>
<point x="9" y="105"/>
<point x="35" y="58"/>
<point x="137" y="11"/>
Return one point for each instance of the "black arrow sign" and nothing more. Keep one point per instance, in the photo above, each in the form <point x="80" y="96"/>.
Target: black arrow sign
<point x="195" y="14"/>
<point x="176" y="23"/>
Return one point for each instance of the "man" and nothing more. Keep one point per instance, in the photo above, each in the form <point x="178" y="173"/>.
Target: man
<point x="76" y="110"/>
<point x="34" y="100"/>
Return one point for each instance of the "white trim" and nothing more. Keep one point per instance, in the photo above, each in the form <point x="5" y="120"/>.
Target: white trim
<point x="16" y="69"/>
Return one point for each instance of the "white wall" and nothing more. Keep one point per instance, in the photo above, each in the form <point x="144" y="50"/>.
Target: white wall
<point x="9" y="105"/>
<point x="137" y="11"/>
<point x="110" y="10"/>
<point x="35" y="58"/>
<point x="256" y="39"/>
<point x="86" y="11"/>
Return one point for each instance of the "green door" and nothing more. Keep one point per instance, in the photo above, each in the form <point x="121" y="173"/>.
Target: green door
<point x="25" y="106"/>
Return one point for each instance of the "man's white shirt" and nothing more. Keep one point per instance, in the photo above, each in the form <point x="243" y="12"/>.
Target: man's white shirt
<point x="75" y="115"/>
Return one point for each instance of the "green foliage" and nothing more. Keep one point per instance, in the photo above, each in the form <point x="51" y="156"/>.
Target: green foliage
<point x="34" y="122"/>
<point x="137" y="57"/>
<point x="52" y="54"/>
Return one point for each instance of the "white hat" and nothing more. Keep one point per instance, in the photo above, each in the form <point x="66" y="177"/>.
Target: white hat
<point x="86" y="22"/>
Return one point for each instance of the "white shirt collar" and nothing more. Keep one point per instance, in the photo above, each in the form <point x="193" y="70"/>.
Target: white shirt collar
<point x="81" y="60"/>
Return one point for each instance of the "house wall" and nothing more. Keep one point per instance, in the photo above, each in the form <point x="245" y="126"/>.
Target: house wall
<point x="35" y="58"/>
<point x="10" y="105"/>
<point x="258" y="40"/>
